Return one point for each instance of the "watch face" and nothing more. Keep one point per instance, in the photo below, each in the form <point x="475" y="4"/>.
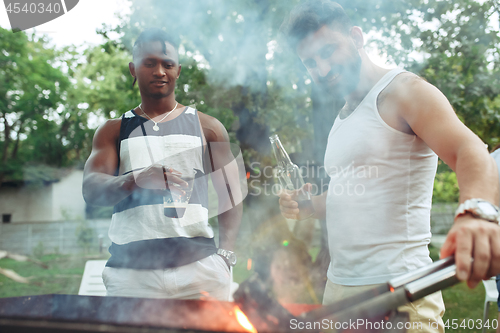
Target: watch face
<point x="232" y="259"/>
<point x="487" y="208"/>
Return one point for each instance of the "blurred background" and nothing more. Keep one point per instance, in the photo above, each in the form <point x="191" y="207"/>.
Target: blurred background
<point x="59" y="81"/>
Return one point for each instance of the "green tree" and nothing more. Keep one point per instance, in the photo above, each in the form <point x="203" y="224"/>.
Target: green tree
<point x="104" y="86"/>
<point x="464" y="62"/>
<point x="445" y="187"/>
<point x="450" y="44"/>
<point x="240" y="43"/>
<point x="31" y="90"/>
<point x="237" y="44"/>
<point x="104" y="83"/>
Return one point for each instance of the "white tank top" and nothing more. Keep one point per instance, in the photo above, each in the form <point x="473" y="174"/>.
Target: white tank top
<point x="379" y="197"/>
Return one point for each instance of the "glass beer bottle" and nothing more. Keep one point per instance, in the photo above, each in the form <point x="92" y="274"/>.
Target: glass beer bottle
<point x="290" y="178"/>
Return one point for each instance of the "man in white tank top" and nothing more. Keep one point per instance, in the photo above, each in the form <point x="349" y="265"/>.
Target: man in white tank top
<point x="381" y="159"/>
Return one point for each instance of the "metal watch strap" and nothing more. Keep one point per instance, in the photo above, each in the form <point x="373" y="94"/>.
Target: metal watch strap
<point x="472" y="206"/>
<point x="230" y="256"/>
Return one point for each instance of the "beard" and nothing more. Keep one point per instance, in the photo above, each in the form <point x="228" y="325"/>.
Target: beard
<point x="349" y="74"/>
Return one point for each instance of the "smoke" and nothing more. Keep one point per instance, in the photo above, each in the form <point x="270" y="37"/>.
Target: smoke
<point x="240" y="46"/>
<point x="239" y="40"/>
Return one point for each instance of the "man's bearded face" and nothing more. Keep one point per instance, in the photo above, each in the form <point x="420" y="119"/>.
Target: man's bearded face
<point x="332" y="60"/>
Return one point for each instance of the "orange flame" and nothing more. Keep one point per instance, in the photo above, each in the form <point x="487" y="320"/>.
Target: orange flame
<point x="243" y="320"/>
<point x="248" y="174"/>
<point x="249" y="264"/>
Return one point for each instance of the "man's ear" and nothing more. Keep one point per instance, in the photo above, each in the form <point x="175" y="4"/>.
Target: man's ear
<point x="131" y="68"/>
<point x="357" y="37"/>
<point x="179" y="71"/>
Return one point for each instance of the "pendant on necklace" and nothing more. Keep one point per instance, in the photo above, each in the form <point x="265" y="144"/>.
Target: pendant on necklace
<point x="156" y="128"/>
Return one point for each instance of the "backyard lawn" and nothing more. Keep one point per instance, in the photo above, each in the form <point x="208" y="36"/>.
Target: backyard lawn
<point x="65" y="271"/>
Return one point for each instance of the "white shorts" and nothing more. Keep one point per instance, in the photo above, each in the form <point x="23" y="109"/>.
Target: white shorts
<point x="207" y="278"/>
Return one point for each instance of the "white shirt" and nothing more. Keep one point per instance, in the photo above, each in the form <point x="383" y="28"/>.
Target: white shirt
<point x="379" y="197"/>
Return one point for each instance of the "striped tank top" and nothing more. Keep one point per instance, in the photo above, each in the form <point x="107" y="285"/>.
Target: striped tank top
<point x="142" y="236"/>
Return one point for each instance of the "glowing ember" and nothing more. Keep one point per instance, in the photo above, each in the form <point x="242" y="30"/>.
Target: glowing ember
<point x="249" y="264"/>
<point x="243" y="320"/>
<point x="391" y="289"/>
<point x="248" y="174"/>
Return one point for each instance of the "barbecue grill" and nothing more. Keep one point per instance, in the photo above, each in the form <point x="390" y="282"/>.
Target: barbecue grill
<point x="261" y="312"/>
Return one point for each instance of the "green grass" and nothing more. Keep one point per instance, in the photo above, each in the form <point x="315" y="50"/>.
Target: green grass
<point x="463" y="303"/>
<point x="63" y="276"/>
<point x="65" y="272"/>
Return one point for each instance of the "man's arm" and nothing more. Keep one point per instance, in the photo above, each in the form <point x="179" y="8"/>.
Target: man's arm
<point x="225" y="178"/>
<point x="100" y="186"/>
<point x="430" y="116"/>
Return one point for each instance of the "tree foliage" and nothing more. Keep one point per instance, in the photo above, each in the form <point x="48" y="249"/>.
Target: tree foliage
<point x="236" y="68"/>
<point x="237" y="46"/>
<point x="445" y="187"/>
<point x="31" y="90"/>
<point x="463" y="61"/>
<point x="455" y="46"/>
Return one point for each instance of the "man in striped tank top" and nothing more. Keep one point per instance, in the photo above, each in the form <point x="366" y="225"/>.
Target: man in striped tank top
<point x="138" y="159"/>
<point x="381" y="157"/>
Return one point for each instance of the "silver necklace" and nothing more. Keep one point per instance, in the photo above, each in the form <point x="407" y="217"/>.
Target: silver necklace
<point x="155" y="126"/>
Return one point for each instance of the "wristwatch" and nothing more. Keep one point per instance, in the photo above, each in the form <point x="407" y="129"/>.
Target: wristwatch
<point x="481" y="209"/>
<point x="230" y="256"/>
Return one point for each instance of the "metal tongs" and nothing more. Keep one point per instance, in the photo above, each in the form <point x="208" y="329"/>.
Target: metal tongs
<point x="380" y="300"/>
<point x="255" y="299"/>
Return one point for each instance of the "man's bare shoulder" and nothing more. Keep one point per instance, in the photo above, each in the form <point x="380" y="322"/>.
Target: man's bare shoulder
<point x="408" y="90"/>
<point x="109" y="131"/>
<point x="213" y="129"/>
<point x="103" y="155"/>
<point x="207" y="120"/>
<point x="403" y="83"/>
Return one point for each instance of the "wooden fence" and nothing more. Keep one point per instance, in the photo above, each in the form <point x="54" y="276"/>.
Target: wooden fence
<point x="442" y="216"/>
<point x="54" y="237"/>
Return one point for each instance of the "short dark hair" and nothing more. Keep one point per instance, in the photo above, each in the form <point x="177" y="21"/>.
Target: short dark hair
<point x="310" y="16"/>
<point x="154" y="35"/>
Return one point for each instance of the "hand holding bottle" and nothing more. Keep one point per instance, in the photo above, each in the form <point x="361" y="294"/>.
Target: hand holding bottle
<point x="296" y="195"/>
<point x="296" y="204"/>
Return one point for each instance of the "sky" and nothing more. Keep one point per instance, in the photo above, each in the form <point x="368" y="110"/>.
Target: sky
<point x="79" y="24"/>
